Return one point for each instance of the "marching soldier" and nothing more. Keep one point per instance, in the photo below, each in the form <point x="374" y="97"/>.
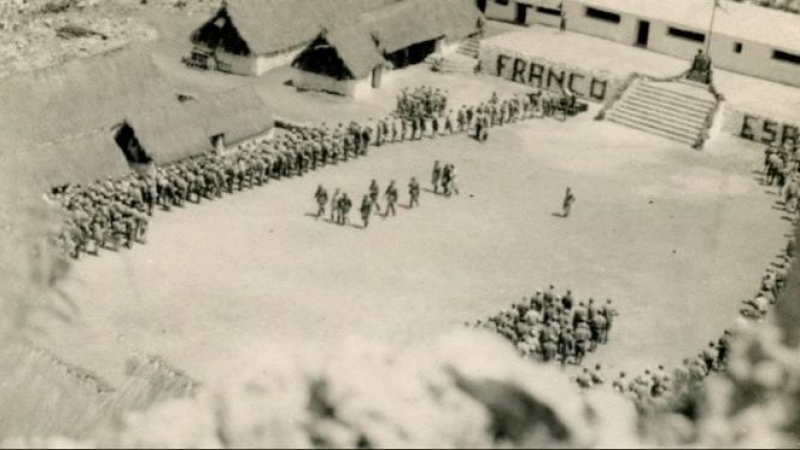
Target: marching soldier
<point x="391" y="198"/>
<point x="322" y="199"/>
<point x="366" y="210"/>
<point x="413" y="192"/>
<point x="374" y="192"/>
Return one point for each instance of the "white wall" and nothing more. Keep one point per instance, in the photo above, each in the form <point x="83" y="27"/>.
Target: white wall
<point x="755" y="59"/>
<point x="505" y="13"/>
<point x="240" y="65"/>
<point x="662" y="42"/>
<point x="577" y="20"/>
<point x="304" y="80"/>
<point x="264" y="64"/>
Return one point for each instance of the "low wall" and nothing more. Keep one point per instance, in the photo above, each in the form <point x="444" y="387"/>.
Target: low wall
<point x="537" y="72"/>
<point x="757" y="128"/>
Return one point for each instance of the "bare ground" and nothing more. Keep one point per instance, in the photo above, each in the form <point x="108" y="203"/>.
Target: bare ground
<point x="676" y="237"/>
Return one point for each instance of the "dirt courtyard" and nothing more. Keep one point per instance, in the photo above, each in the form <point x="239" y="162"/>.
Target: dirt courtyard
<point x="676" y="237"/>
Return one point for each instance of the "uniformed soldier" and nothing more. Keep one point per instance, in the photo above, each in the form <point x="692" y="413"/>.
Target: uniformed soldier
<point x="391" y="196"/>
<point x="597" y="376"/>
<point x="569" y="199"/>
<point x="366" y="210"/>
<point x="413" y="193"/>
<point x="335" y="212"/>
<point x="345" y="205"/>
<point x="322" y="199"/>
<point x="436" y="175"/>
<point x="584" y="379"/>
<point x="374" y="192"/>
<point x="620" y="384"/>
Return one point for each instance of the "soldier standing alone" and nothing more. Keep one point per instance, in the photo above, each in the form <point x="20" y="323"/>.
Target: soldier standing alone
<point x="569" y="199"/>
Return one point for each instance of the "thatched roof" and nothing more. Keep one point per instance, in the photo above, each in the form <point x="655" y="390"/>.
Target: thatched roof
<point x="414" y="21"/>
<point x="77" y="159"/>
<point x="274" y="26"/>
<point x="352" y="48"/>
<point x="81" y="95"/>
<point x="182" y="130"/>
<point x="237" y="113"/>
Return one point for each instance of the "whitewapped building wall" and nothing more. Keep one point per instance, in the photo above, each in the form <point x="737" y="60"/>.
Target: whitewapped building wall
<point x="747" y="39"/>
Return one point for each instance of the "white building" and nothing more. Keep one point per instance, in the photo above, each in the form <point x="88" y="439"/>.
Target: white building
<point x="747" y="39"/>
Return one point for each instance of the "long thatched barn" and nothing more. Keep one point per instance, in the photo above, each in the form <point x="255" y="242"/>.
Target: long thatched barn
<point x="353" y="59"/>
<point x="107" y="114"/>
<point x="249" y="37"/>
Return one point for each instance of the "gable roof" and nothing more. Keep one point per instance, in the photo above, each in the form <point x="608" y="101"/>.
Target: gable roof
<point x="413" y="21"/>
<point x="275" y="26"/>
<point x="76" y="159"/>
<point x="356" y="48"/>
<point x="78" y="96"/>
<point x="183" y="130"/>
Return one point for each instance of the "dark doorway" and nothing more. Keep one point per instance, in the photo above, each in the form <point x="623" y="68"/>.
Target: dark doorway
<point x="522" y="14"/>
<point x="413" y="54"/>
<point x="482" y="5"/>
<point x="130" y="146"/>
<point x="644" y="33"/>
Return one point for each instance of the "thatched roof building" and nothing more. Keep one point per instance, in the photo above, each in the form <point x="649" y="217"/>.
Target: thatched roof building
<point x="69" y="123"/>
<point x="345" y="53"/>
<point x="410" y="22"/>
<point x="350" y="60"/>
<point x="82" y="95"/>
<point x="182" y="130"/>
<point x="76" y="159"/>
<point x="270" y="27"/>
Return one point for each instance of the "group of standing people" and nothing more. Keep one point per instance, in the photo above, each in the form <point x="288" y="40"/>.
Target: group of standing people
<point x="782" y="168"/>
<point x="115" y="212"/>
<point x="444" y="178"/>
<point x="554" y="327"/>
<point x="341" y="204"/>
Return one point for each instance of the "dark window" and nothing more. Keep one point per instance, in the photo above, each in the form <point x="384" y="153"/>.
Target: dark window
<point x="787" y="57"/>
<point x="501" y="2"/>
<point x="737" y="47"/>
<point x="686" y="34"/>
<point x="549" y="11"/>
<point x="599" y="14"/>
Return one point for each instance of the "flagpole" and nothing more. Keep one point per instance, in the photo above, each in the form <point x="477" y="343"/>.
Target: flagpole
<point x="711" y="25"/>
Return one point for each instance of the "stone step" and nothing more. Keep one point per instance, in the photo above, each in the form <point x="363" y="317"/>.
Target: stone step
<point x="656" y="129"/>
<point x="701" y="98"/>
<point x="666" y="102"/>
<point x="693" y="128"/>
<point x="648" y="102"/>
<point x="655" y="123"/>
<point x="677" y="115"/>
<point x="658" y="133"/>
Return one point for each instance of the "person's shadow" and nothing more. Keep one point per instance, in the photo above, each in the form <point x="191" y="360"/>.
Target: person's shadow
<point x="560" y="215"/>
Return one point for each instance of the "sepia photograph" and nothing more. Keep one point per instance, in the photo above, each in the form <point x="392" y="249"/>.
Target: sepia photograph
<point x="399" y="224"/>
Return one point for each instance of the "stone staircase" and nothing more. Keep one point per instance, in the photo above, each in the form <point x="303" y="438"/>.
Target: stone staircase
<point x="470" y="47"/>
<point x="675" y="110"/>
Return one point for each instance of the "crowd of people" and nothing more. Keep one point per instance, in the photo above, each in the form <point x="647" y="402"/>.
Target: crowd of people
<point x="782" y="169"/>
<point x="553" y="327"/>
<point x="111" y="213"/>
<point x="422" y="101"/>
